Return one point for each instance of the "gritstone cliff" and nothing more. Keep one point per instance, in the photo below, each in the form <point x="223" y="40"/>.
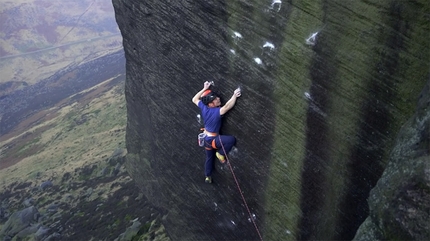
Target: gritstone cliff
<point x="326" y="85"/>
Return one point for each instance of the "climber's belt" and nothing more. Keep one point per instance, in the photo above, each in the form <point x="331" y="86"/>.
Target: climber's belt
<point x="211" y="134"/>
<point x="213" y="145"/>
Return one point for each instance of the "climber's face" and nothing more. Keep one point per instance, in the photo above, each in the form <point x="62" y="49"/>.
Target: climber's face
<point x="215" y="103"/>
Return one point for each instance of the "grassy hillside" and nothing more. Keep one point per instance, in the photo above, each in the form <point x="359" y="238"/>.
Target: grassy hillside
<point x="67" y="161"/>
<point x="63" y="113"/>
<point x="82" y="128"/>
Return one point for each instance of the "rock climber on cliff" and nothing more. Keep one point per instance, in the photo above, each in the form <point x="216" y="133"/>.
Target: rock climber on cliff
<point x="215" y="144"/>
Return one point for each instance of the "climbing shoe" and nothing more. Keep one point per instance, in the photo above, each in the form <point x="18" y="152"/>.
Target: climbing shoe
<point x="208" y="179"/>
<point x="220" y="157"/>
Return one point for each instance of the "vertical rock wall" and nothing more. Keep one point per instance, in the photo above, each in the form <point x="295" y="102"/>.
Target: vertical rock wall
<point x="326" y="86"/>
<point x="400" y="202"/>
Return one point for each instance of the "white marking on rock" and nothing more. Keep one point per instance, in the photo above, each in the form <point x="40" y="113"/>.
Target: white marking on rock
<point x="276" y="3"/>
<point x="311" y="40"/>
<point x="268" y="45"/>
<point x="237" y="35"/>
<point x="253" y="217"/>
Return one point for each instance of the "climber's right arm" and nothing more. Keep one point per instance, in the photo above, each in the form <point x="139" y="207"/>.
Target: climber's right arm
<point x="196" y="98"/>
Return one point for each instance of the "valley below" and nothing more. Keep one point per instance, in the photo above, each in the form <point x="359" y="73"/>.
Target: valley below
<point x="62" y="150"/>
<point x="62" y="126"/>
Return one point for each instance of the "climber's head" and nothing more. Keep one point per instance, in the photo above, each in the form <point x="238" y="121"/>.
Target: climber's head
<point x="210" y="98"/>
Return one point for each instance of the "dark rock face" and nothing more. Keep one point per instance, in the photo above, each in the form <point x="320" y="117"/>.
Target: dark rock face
<point x="326" y="86"/>
<point x="400" y="202"/>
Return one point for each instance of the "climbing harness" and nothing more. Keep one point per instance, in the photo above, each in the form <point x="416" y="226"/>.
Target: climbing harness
<point x="201" y="138"/>
<point x="240" y="191"/>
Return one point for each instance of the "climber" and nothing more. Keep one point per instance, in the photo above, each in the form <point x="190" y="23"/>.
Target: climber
<point x="212" y="112"/>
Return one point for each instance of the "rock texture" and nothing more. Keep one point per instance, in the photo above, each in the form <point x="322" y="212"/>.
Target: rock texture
<point x="19" y="222"/>
<point x="79" y="206"/>
<point x="400" y="202"/>
<point x="326" y="87"/>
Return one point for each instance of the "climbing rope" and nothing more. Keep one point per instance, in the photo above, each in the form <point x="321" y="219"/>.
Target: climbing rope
<point x="240" y="191"/>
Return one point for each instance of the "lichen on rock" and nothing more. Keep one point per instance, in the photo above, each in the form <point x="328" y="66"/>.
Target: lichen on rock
<point x="400" y="201"/>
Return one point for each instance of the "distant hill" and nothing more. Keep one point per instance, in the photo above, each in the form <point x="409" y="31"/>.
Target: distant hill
<point x="21" y="104"/>
<point x="38" y="37"/>
<point x="65" y="163"/>
<point x="62" y="126"/>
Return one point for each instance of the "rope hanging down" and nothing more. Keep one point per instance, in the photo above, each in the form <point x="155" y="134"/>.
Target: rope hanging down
<point x="240" y="191"/>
